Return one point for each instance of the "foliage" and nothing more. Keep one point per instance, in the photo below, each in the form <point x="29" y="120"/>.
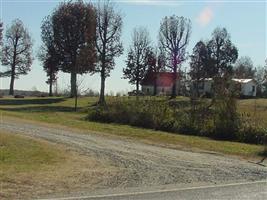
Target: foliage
<point x="191" y="118"/>
<point x="108" y="41"/>
<point x="199" y="65"/>
<point x="222" y="53"/>
<point x="156" y="64"/>
<point x="73" y="25"/>
<point x="244" y="68"/>
<point x="48" y="55"/>
<point x="17" y="52"/>
<point x="173" y="38"/>
<point x="137" y="59"/>
<point x="261" y="79"/>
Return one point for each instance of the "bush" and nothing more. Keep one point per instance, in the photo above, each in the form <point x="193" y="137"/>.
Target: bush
<point x="197" y="118"/>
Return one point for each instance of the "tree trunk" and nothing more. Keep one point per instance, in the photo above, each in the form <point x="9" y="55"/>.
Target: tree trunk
<point x="12" y="80"/>
<point x="50" y="88"/>
<point x="73" y="83"/>
<point x="51" y="85"/>
<point x="102" y="89"/>
<point x="155" y="85"/>
<point x="174" y="87"/>
<point x="137" y="87"/>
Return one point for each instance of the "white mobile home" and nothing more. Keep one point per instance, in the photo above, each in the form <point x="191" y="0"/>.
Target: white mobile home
<point x="247" y="87"/>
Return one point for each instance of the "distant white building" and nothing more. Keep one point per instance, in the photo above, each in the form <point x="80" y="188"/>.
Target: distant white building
<point x="247" y="87"/>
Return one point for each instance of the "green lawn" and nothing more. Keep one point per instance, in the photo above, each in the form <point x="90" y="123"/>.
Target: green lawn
<point x="60" y="111"/>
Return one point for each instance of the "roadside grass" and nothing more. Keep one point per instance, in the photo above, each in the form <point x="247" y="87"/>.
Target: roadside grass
<point x="256" y="108"/>
<point x="30" y="168"/>
<point x="54" y="113"/>
<point x="20" y="154"/>
<point x="21" y="159"/>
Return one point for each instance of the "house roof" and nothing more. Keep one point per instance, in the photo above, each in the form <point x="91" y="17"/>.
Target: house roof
<point x="164" y="79"/>
<point x="242" y="80"/>
<point x="235" y="79"/>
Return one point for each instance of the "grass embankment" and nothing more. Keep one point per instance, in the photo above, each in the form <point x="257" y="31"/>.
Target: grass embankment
<point x="60" y="111"/>
<point x="30" y="168"/>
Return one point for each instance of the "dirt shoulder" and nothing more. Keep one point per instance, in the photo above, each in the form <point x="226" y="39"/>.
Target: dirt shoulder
<point x="140" y="164"/>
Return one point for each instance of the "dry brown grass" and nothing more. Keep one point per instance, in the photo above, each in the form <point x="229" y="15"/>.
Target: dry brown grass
<point x="64" y="172"/>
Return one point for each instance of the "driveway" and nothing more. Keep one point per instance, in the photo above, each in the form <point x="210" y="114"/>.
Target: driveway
<point x="143" y="166"/>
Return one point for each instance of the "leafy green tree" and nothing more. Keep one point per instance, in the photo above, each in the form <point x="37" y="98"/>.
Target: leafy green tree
<point x="108" y="42"/>
<point x="74" y="31"/>
<point x="137" y="60"/>
<point x="17" y="52"/>
<point x="174" y="37"/>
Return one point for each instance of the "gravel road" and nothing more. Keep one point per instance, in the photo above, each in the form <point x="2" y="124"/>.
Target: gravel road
<point x="144" y="165"/>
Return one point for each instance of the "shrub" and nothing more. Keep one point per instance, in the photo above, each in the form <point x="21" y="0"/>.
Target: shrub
<point x="222" y="121"/>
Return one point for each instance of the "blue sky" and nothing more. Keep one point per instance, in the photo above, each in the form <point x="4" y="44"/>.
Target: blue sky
<point x="244" y="20"/>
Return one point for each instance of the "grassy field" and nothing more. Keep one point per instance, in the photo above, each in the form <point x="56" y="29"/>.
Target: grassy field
<point x="30" y="168"/>
<point x="60" y="111"/>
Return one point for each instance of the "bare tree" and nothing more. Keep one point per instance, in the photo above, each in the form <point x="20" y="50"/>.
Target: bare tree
<point x="174" y="37"/>
<point x="108" y="43"/>
<point x="17" y="52"/>
<point x="137" y="61"/>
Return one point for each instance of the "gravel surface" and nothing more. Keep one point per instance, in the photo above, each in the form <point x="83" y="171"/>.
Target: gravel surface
<point x="143" y="165"/>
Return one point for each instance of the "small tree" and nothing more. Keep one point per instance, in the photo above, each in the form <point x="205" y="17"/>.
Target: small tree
<point x="198" y="65"/>
<point x="226" y="116"/>
<point x="222" y="56"/>
<point x="156" y="64"/>
<point x="17" y="52"/>
<point x="137" y="60"/>
<point x="108" y="43"/>
<point x="73" y="25"/>
<point x="244" y="68"/>
<point x="48" y="54"/>
<point x="174" y="37"/>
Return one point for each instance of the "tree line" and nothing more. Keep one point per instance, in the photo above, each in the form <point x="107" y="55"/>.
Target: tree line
<point x="79" y="38"/>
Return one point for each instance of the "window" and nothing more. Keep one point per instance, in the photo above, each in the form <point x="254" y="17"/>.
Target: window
<point x="201" y="85"/>
<point x="253" y="88"/>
